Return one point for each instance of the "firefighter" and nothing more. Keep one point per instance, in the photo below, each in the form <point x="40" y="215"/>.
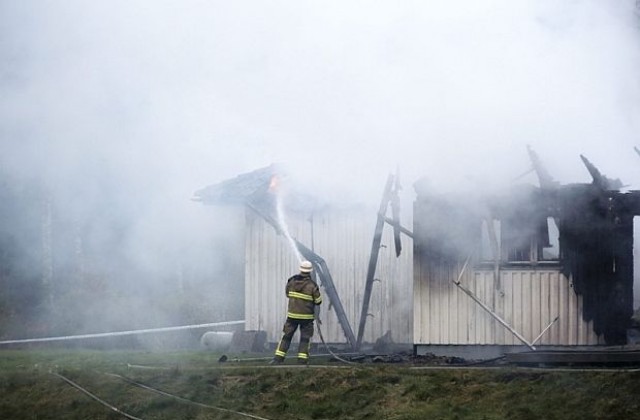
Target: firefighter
<point x="304" y="300"/>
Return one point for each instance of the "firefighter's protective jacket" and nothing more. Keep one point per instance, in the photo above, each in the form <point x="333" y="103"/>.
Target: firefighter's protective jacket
<point x="304" y="295"/>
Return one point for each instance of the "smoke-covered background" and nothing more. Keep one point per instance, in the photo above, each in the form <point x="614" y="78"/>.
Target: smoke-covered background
<point x="112" y="113"/>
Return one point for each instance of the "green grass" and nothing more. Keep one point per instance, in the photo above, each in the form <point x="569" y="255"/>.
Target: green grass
<point x="29" y="391"/>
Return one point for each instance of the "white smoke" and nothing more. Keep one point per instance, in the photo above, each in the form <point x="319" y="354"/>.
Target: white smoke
<point x="124" y="108"/>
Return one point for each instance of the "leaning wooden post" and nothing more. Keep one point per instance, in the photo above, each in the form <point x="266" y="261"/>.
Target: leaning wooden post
<point x="373" y="260"/>
<point x="486" y="308"/>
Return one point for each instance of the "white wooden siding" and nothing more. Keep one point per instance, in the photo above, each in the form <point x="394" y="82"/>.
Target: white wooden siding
<point x="528" y="300"/>
<point x="344" y="240"/>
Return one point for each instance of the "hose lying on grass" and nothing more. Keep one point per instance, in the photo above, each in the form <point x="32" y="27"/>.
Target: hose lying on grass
<point x="166" y="394"/>
<point x="106" y="404"/>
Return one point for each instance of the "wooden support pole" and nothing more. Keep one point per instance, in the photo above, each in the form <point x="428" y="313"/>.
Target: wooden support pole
<point x="545" y="330"/>
<point x="495" y="249"/>
<point x="373" y="259"/>
<point x="400" y="227"/>
<point x="486" y="308"/>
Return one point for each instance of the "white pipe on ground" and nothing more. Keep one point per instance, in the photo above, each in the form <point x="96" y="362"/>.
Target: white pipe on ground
<point x="121" y="333"/>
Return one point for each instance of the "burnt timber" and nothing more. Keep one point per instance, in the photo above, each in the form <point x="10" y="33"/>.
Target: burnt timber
<point x="595" y="225"/>
<point x="373" y="259"/>
<point x="390" y="198"/>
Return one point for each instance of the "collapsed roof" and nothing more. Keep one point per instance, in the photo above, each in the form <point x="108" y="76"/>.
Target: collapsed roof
<point x="595" y="230"/>
<point x="241" y="189"/>
<point x="257" y="189"/>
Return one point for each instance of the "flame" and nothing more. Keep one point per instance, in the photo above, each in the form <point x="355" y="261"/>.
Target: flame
<point x="274" y="184"/>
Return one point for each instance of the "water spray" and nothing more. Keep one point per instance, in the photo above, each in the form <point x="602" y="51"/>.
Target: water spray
<point x="285" y="229"/>
<point x="274" y="188"/>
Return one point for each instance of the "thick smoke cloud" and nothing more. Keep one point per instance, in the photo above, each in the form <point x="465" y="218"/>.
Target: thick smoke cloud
<point x="177" y="95"/>
<point x="121" y="109"/>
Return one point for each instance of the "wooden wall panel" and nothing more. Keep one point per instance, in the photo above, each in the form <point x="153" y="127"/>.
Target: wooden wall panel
<point x="343" y="239"/>
<point x="528" y="300"/>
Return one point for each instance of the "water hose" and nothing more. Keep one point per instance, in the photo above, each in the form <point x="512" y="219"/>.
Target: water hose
<point x="327" y="347"/>
<point x="95" y="397"/>
<point x="184" y="400"/>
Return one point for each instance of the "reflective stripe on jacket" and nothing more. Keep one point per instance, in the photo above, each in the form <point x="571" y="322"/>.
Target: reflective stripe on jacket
<point x="304" y="295"/>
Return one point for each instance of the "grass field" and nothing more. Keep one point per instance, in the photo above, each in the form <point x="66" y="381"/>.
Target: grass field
<point x="30" y="390"/>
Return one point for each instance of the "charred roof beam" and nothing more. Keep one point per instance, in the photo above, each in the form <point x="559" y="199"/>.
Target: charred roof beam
<point x="546" y="180"/>
<point x="600" y="180"/>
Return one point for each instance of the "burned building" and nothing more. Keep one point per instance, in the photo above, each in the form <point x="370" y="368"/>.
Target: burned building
<point x="535" y="266"/>
<point x="531" y="267"/>
<point x="337" y="238"/>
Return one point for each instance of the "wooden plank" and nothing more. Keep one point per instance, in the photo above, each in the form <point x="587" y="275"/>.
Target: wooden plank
<point x="563" y="311"/>
<point x="545" y="310"/>
<point x="583" y="333"/>
<point x="454" y="315"/>
<point x="433" y="307"/>
<point x="426" y="313"/>
<point x="517" y="302"/>
<point x="500" y="305"/>
<point x="420" y="305"/>
<point x="536" y="306"/>
<point x="474" y="322"/>
<point x="508" y="300"/>
<point x="572" y="330"/>
<point x="480" y="314"/>
<point x="446" y="306"/>
<point x="489" y="293"/>
<point x="465" y="319"/>
<point x="486" y="321"/>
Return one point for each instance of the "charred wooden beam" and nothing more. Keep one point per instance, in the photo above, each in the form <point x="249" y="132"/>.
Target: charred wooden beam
<point x="373" y="260"/>
<point x="596" y="242"/>
<point x="395" y="214"/>
<point x="322" y="271"/>
<point x="401" y="228"/>
<point x="546" y="181"/>
<point x="600" y="180"/>
<point x="495" y="250"/>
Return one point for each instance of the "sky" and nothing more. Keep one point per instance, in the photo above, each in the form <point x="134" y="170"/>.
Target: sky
<point x="145" y="102"/>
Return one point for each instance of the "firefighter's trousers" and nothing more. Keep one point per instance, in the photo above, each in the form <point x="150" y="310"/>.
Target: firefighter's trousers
<point x="289" y="329"/>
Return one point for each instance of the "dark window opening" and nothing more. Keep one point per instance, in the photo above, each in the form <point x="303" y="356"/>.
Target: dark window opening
<point x="549" y="245"/>
<point x="518" y="247"/>
<point x="518" y="243"/>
